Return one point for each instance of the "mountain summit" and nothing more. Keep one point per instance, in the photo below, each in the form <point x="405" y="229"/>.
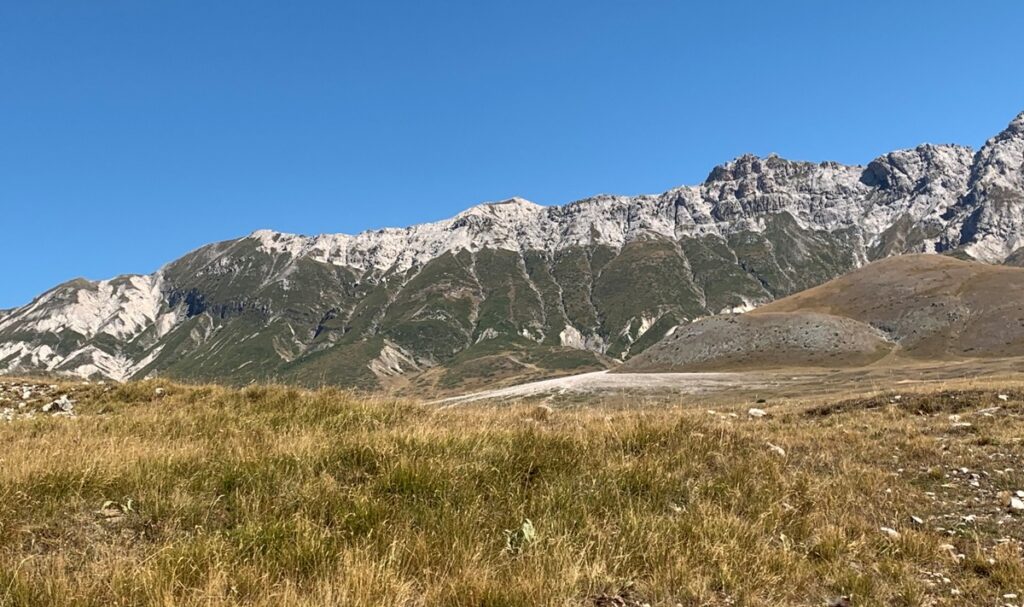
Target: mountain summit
<point x="512" y="289"/>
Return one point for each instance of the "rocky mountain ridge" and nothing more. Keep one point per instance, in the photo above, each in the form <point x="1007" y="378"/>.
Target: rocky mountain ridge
<point x="736" y="196"/>
<point x="513" y="289"/>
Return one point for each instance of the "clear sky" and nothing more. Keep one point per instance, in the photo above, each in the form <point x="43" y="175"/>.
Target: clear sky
<point x="134" y="131"/>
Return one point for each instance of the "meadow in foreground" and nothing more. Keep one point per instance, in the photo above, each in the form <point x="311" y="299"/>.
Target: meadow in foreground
<point x="276" y="496"/>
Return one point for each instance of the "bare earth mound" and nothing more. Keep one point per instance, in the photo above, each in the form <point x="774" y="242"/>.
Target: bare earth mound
<point x="920" y="307"/>
<point x="780" y="339"/>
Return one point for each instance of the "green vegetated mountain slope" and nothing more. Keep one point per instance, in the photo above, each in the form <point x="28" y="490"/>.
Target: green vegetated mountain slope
<point x="235" y="312"/>
<point x="511" y="291"/>
<point x="913" y="307"/>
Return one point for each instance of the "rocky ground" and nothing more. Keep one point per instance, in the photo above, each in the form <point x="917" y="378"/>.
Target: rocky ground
<point x="973" y="494"/>
<point x="26" y="399"/>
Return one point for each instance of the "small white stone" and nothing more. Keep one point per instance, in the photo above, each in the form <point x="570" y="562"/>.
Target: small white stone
<point x="757" y="413"/>
<point x="890" y="533"/>
<point x="61" y="405"/>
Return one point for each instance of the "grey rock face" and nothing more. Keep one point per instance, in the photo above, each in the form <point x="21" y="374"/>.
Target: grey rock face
<point x="989" y="219"/>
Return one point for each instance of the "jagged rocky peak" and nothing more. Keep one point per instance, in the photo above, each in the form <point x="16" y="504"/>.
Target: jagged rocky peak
<point x="510" y="210"/>
<point x="511" y="203"/>
<point x="1000" y="162"/>
<point x="750" y="176"/>
<point x="744" y="192"/>
<point x="1017" y="124"/>
<point x="991" y="215"/>
<point x="770" y="167"/>
<point x="906" y="170"/>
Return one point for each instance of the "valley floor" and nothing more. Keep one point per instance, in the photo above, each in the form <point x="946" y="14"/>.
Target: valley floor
<point x="598" y="387"/>
<point x="162" y="494"/>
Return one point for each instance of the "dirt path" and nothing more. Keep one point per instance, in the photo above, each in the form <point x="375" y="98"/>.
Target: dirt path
<point x="797" y="383"/>
<point x="602" y="381"/>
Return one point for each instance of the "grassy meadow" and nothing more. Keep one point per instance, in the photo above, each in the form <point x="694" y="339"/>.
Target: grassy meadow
<point x="273" y="496"/>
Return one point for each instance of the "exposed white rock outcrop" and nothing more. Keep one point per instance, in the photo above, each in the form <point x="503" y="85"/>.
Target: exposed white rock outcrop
<point x="991" y="222"/>
<point x="393" y="361"/>
<point x="737" y="196"/>
<point x="121" y="307"/>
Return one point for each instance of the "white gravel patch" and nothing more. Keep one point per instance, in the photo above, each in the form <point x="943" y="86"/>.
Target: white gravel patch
<point x="603" y="381"/>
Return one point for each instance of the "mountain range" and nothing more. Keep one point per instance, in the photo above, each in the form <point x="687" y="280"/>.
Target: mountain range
<point x="513" y="290"/>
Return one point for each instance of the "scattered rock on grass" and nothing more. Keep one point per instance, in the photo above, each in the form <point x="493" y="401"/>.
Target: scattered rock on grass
<point x="62" y="405"/>
<point x="950" y="549"/>
<point x="1012" y="501"/>
<point x="114" y="512"/>
<point x="890" y="533"/>
<point x="625" y="597"/>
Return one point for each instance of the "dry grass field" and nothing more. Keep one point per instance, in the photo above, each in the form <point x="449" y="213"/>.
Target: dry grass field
<point x="271" y="496"/>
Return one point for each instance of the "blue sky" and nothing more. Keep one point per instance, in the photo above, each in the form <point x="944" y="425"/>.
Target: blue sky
<point x="133" y="132"/>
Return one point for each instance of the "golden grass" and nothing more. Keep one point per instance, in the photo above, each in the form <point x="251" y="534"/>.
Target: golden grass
<point x="275" y="496"/>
